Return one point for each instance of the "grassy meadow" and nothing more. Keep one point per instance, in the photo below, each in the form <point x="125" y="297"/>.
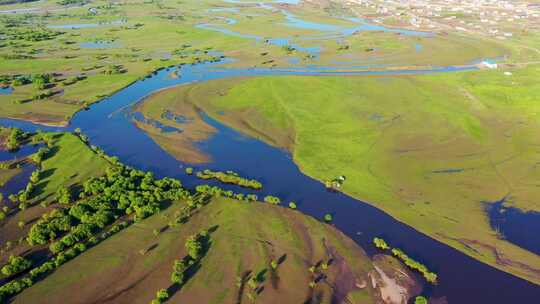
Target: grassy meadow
<point x="130" y="266"/>
<point x="68" y="164"/>
<point x="123" y="48"/>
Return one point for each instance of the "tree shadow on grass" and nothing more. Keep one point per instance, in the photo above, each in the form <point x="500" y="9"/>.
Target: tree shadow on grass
<point x="193" y="268"/>
<point x="52" y="152"/>
<point x="39" y="189"/>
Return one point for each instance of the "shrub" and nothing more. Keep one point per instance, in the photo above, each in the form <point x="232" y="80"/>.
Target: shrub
<point x="328" y="218"/>
<point x="272" y="200"/>
<point x="16" y="264"/>
<point x="380" y="243"/>
<point x="420" y="300"/>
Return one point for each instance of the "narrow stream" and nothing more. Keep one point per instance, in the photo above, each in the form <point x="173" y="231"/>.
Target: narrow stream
<point x="109" y="125"/>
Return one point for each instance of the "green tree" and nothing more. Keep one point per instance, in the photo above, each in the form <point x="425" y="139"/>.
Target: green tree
<point x="162" y="295"/>
<point x="420" y="300"/>
<point x="177" y="276"/>
<point x="194" y="247"/>
<point x="63" y="195"/>
<point x="380" y="243"/>
<point x="16" y="264"/>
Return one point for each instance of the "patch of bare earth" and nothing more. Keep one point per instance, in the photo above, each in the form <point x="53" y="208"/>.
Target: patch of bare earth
<point x="395" y="284"/>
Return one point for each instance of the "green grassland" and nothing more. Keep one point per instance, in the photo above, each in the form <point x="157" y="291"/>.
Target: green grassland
<point x="246" y="238"/>
<point x="69" y="163"/>
<point x="135" y="52"/>
<point x="430" y="150"/>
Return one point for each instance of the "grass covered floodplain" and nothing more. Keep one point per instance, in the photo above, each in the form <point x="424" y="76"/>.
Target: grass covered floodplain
<point x="89" y="56"/>
<point x="255" y="251"/>
<point x="68" y="163"/>
<point x="431" y="150"/>
<point x="245" y="239"/>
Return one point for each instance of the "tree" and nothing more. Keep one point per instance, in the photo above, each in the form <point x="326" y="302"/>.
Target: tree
<point x="380" y="243"/>
<point x="16" y="264"/>
<point x="177" y="276"/>
<point x="41" y="81"/>
<point x="194" y="247"/>
<point x="272" y="200"/>
<point x="34" y="178"/>
<point x="63" y="195"/>
<point x="14" y="139"/>
<point x="162" y="295"/>
<point x="328" y="218"/>
<point x="292" y="205"/>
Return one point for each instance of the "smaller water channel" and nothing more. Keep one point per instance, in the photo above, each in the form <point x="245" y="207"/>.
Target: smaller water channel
<point x="516" y="226"/>
<point x="21" y="153"/>
<point x="6" y="91"/>
<point x="99" y="44"/>
<point x="18" y="182"/>
<point x="327" y="31"/>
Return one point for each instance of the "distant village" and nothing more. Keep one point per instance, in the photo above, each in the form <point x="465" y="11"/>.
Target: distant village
<point x="501" y="19"/>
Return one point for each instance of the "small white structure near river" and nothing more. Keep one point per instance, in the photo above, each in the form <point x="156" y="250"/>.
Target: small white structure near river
<point x="489" y="64"/>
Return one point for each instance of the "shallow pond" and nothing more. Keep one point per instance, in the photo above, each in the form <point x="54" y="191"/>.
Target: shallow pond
<point x="18" y="182"/>
<point x="6" y="91"/>
<point x="18" y="154"/>
<point x="99" y="44"/>
<point x="514" y="225"/>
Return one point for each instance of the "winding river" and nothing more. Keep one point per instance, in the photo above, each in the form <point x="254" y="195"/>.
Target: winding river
<point x="109" y="125"/>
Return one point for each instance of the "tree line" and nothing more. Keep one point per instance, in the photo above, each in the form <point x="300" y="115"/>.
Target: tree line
<point x="430" y="276"/>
